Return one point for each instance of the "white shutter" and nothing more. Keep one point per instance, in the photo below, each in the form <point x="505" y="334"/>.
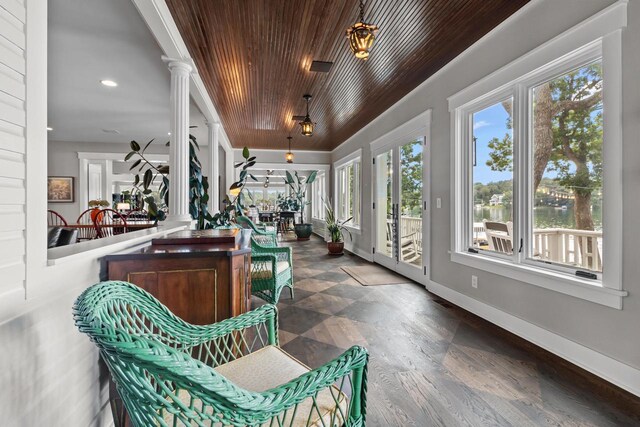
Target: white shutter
<point x="12" y="145"/>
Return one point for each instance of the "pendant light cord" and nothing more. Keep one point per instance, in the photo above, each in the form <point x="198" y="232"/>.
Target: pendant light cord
<point x="362" y="11"/>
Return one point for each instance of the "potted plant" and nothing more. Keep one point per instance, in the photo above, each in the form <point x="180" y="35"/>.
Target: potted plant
<point x="298" y="186"/>
<point x="198" y="186"/>
<point x="97" y="206"/>
<point x="335" y="228"/>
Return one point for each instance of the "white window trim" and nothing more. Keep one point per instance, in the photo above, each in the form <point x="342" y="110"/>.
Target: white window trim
<point x="597" y="36"/>
<point x="356" y="156"/>
<point x="317" y="188"/>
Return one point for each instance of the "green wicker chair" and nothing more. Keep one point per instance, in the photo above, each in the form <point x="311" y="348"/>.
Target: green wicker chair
<point x="231" y="373"/>
<point x="271" y="271"/>
<point x="262" y="236"/>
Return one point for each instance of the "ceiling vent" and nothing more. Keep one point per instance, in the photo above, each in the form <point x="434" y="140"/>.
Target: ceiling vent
<point x="111" y="131"/>
<point x="321" y="66"/>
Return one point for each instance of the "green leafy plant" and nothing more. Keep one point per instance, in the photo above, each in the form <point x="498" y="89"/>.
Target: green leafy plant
<point x="235" y="206"/>
<point x="287" y="203"/>
<point x="298" y="186"/>
<point x="150" y="172"/>
<point x="335" y="226"/>
<point x="198" y="186"/>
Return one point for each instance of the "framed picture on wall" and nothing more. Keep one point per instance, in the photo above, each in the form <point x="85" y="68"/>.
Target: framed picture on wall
<point x="60" y="189"/>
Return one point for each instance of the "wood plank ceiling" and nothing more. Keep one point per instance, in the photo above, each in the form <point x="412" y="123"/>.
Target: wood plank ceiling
<point x="254" y="58"/>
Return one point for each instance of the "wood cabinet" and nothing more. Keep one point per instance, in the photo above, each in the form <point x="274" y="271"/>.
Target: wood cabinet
<point x="202" y="283"/>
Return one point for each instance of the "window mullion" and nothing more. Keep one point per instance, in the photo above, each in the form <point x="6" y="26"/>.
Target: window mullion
<point x="521" y="173"/>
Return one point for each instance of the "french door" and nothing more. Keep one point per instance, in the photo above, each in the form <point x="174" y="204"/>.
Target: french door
<point x="400" y="208"/>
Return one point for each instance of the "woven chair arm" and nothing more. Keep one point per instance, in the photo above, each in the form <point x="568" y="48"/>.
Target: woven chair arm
<point x="265" y="257"/>
<point x="264" y="232"/>
<point x="262" y="315"/>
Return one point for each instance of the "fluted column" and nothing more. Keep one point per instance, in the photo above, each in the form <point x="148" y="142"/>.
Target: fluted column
<point x="214" y="166"/>
<point x="179" y="147"/>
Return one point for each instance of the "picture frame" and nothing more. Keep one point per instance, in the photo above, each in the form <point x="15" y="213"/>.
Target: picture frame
<point x="60" y="189"/>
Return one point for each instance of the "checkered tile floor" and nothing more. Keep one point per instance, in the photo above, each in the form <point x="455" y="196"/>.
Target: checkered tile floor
<point x="431" y="362"/>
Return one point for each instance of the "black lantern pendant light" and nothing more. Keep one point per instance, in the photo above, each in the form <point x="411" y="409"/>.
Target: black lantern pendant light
<point x="307" y="124"/>
<point x="289" y="155"/>
<point x="361" y="36"/>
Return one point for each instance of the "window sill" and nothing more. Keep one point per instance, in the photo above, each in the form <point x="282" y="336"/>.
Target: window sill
<point x="563" y="283"/>
<point x="97" y="247"/>
<point x="353" y="229"/>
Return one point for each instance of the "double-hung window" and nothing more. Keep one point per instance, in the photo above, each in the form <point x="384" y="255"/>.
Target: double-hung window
<point x="348" y="185"/>
<point x="318" y="197"/>
<point x="536" y="169"/>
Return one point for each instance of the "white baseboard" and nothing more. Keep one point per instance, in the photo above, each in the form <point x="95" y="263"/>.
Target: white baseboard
<point x="614" y="371"/>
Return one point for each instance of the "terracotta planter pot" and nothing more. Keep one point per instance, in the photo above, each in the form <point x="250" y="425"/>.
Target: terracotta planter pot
<point x="335" y="248"/>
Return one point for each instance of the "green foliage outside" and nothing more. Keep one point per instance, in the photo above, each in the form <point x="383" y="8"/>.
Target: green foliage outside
<point x="568" y="134"/>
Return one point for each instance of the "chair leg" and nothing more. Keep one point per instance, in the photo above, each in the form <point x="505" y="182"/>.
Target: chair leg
<point x="291" y="291"/>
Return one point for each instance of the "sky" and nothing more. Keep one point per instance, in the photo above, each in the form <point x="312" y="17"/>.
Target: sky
<point x="487" y="124"/>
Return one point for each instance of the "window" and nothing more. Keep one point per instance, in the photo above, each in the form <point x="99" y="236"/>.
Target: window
<point x="318" y="197"/>
<point x="348" y="184"/>
<point x="530" y="182"/>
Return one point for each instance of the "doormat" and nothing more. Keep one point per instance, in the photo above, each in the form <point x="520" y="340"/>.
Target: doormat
<point x="374" y="275"/>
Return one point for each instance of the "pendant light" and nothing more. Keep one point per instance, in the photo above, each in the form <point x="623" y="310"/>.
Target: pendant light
<point x="361" y="36"/>
<point x="289" y="155"/>
<point x="307" y="124"/>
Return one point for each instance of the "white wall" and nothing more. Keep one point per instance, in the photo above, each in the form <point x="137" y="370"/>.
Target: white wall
<point x="609" y="331"/>
<point x="50" y="374"/>
<point x="277" y="156"/>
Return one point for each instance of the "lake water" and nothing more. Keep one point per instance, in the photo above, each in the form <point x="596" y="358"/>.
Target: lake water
<point x="544" y="216"/>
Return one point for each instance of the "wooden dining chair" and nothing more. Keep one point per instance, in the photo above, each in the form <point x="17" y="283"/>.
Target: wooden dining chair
<point x="87" y="228"/>
<point x="110" y="222"/>
<point x="54" y="219"/>
<point x="137" y="215"/>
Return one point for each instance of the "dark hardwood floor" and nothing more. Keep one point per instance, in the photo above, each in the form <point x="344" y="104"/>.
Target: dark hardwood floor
<point x="432" y="363"/>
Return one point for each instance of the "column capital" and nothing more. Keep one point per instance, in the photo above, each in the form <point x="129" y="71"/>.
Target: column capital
<point x="212" y="125"/>
<point x="185" y="65"/>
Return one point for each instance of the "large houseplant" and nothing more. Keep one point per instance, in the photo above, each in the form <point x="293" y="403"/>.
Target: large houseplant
<point x="198" y="186"/>
<point x="335" y="228"/>
<point x="298" y="186"/>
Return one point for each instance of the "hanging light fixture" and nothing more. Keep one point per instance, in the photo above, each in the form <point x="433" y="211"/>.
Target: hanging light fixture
<point x="307" y="124"/>
<point x="361" y="36"/>
<point x="266" y="183"/>
<point x="289" y="155"/>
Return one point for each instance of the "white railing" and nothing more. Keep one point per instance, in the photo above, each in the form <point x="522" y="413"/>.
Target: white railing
<point x="581" y="248"/>
<point x="410" y="226"/>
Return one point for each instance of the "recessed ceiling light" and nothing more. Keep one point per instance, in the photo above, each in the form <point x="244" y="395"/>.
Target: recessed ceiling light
<point x="109" y="83"/>
<point x="49" y="128"/>
<point x="169" y="133"/>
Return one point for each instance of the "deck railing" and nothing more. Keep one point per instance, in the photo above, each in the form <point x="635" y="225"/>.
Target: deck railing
<point x="410" y="226"/>
<point x="581" y="248"/>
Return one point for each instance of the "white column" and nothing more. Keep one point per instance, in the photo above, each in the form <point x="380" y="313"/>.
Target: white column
<point x="179" y="147"/>
<point x="214" y="166"/>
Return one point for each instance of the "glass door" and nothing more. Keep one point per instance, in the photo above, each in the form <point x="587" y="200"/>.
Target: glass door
<point x="384" y="210"/>
<point x="399" y="208"/>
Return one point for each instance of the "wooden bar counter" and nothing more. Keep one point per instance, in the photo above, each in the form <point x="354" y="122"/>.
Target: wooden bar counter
<point x="201" y="276"/>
